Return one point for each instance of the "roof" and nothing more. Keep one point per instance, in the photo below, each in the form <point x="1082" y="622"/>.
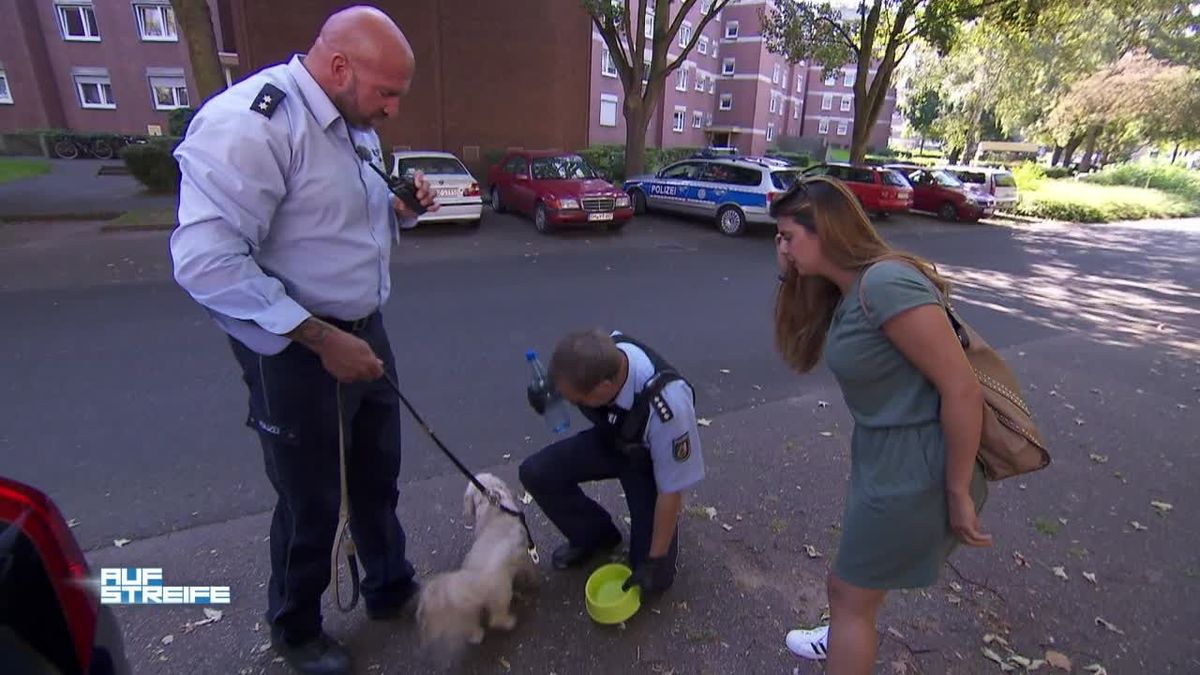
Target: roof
<point x="979" y="169"/>
<point x="404" y="154"/>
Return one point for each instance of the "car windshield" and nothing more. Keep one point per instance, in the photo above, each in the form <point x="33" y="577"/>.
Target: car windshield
<point x="894" y="178"/>
<point x="431" y="165"/>
<point x="563" y="167"/>
<point x="1005" y="180"/>
<point x="946" y="180"/>
<point x="784" y="179"/>
<point x="971" y="177"/>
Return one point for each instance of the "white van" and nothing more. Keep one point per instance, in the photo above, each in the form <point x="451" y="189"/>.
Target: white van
<point x="999" y="183"/>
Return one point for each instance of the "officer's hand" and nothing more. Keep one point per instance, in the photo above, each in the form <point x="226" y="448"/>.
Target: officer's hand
<point x="651" y="576"/>
<point x="537" y="399"/>
<point x="349" y="358"/>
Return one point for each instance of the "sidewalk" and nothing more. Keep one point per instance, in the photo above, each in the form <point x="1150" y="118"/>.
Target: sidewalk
<point x="73" y="190"/>
<point x="776" y="479"/>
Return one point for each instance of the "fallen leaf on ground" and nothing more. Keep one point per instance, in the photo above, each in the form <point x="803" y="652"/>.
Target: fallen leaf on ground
<point x="1181" y="406"/>
<point x="1096" y="669"/>
<point x="1137" y="526"/>
<point x="895" y="633"/>
<point x="526" y="498"/>
<point x="505" y="664"/>
<point x="120" y="542"/>
<point x="1095" y="390"/>
<point x="953" y="599"/>
<point x="704" y="422"/>
<point x="956" y="587"/>
<point x="1022" y="661"/>
<point x="992" y="656"/>
<point x="1069" y="406"/>
<point x="1099" y="459"/>
<point x="822" y="404"/>
<point x="710" y="512"/>
<point x="1053" y="393"/>
<point x="1058" y="660"/>
<point x="72" y="523"/>
<point x="899" y="668"/>
<point x="262" y="649"/>
<point x="1090" y="576"/>
<point x="1109" y="626"/>
<point x="727" y="526"/>
<point x="1163" y="507"/>
<point x="1063" y="521"/>
<point x="628" y="521"/>
<point x="1078" y="421"/>
<point x="992" y="637"/>
<point x="826" y="433"/>
<point x="811" y="551"/>
<point x="1021" y="561"/>
<point x="1060" y="573"/>
<point x="725" y="371"/>
<point x="506" y="456"/>
<point x="168" y="639"/>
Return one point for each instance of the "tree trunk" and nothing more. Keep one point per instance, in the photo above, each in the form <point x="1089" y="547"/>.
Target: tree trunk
<point x="1089" y="149"/>
<point x="636" y="120"/>
<point x="1057" y="156"/>
<point x="195" y="22"/>
<point x="1070" y="148"/>
<point x="921" y="150"/>
<point x="1175" y="152"/>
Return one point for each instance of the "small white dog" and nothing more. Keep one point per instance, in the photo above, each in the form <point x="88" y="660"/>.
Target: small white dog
<point x="455" y="606"/>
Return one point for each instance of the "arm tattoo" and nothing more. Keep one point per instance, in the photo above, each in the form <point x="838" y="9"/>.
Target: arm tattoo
<point x="312" y="332"/>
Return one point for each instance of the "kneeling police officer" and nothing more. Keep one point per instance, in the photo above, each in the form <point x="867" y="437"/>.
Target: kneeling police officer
<point x="644" y="434"/>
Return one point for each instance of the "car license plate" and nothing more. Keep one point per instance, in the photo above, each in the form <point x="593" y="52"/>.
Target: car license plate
<point x="449" y="192"/>
<point x="600" y="216"/>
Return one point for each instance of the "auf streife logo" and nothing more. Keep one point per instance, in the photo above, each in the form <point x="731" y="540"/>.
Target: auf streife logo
<point x="144" y="586"/>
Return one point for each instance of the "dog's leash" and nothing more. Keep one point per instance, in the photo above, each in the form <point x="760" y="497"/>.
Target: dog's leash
<point x="492" y="497"/>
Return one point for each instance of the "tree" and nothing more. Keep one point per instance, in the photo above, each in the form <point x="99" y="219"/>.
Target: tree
<point x="922" y="112"/>
<point x="627" y="43"/>
<point x="195" y="22"/>
<point x="878" y="35"/>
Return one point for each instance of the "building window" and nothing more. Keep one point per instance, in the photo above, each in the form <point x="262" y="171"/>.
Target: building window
<point x="607" y="67"/>
<point x="770" y="131"/>
<point x="712" y="85"/>
<point x="774" y="103"/>
<point x="795" y="111"/>
<point x="714" y="51"/>
<point x="827" y="102"/>
<point x="775" y="74"/>
<point x="823" y="127"/>
<point x="608" y="110"/>
<point x="731" y="30"/>
<point x="704" y="6"/>
<point x="708" y="119"/>
<point x="842" y="128"/>
<point x="699" y="82"/>
<point x="799" y="83"/>
<point x="5" y="92"/>
<point x="78" y="22"/>
<point x="727" y="66"/>
<point x="649" y="32"/>
<point x="697" y="119"/>
<point x="681" y="81"/>
<point x="685" y="34"/>
<point x="848" y="78"/>
<point x="703" y="45"/>
<point x="156" y="23"/>
<point x="169" y="92"/>
<point x="95" y="91"/>
<point x="845" y="103"/>
<point x="831" y="80"/>
<point x="782" y="107"/>
<point x="677" y="127"/>
<point x="726" y="101"/>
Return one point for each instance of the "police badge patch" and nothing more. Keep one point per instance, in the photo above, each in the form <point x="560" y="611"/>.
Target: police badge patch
<point x="269" y="98"/>
<point x="681" y="448"/>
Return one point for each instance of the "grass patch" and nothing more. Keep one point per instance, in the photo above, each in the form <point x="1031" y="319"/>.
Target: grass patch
<point x="1046" y="527"/>
<point x="1088" y="202"/>
<point x="143" y="219"/>
<point x="16" y="168"/>
<point x="1173" y="179"/>
<point x="839" y="155"/>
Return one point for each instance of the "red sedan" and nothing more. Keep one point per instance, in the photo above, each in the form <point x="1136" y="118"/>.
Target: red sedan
<point x="556" y="189"/>
<point x="879" y="190"/>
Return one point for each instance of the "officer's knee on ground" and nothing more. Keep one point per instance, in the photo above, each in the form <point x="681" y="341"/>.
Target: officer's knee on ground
<point x="531" y="474"/>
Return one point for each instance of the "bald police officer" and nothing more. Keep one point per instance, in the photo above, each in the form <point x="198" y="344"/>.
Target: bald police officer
<point x="643" y="433"/>
<point x="285" y="237"/>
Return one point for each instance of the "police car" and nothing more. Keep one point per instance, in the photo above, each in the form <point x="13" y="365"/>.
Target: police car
<point x="735" y="192"/>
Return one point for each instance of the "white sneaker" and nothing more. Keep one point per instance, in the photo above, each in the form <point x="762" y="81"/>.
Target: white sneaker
<point x="810" y="643"/>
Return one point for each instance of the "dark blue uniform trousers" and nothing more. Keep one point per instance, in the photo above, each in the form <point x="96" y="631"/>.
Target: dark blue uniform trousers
<point x="293" y="407"/>
<point x="552" y="477"/>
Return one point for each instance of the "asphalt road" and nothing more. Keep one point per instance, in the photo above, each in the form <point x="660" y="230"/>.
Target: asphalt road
<point x="122" y="401"/>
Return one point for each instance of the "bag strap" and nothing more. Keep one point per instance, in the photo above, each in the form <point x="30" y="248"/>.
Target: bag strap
<point x="957" y="325"/>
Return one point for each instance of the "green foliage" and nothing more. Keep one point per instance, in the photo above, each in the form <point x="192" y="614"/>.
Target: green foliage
<point x="1028" y="175"/>
<point x="153" y="164"/>
<point x="178" y="121"/>
<point x="1173" y="179"/>
<point x="16" y="168"/>
<point x="922" y="111"/>
<point x="1057" y="172"/>
<point x="793" y="158"/>
<point x="1081" y="202"/>
<point x="607" y="160"/>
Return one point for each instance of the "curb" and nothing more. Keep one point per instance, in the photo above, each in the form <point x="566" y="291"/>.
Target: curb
<point x="145" y="227"/>
<point x="75" y="216"/>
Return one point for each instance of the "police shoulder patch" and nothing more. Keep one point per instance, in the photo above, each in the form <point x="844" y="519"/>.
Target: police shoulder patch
<point x="681" y="448"/>
<point x="268" y="99"/>
<point x="664" y="412"/>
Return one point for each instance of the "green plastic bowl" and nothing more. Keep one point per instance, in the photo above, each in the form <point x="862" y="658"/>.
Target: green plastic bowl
<point x="606" y="602"/>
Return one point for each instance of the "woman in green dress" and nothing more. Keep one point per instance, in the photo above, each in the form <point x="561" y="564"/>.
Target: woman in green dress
<point x="915" y="487"/>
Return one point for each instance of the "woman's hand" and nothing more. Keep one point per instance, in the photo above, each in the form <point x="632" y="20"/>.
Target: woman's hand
<point x="965" y="521"/>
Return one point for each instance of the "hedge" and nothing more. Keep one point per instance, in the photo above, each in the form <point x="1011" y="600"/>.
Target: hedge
<point x="153" y="164"/>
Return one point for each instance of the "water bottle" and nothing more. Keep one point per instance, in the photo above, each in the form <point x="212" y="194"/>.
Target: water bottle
<point x="557" y="415"/>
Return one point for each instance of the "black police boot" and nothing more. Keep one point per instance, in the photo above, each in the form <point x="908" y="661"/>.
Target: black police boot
<point x="321" y="655"/>
<point x="567" y="556"/>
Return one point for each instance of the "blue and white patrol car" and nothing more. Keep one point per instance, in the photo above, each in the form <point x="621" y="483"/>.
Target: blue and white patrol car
<point x="735" y="192"/>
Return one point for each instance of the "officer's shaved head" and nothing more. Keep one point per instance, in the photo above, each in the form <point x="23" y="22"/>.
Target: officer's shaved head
<point x="585" y="360"/>
<point x="363" y="62"/>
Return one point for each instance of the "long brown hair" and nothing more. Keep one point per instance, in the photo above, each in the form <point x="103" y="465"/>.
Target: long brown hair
<point x="804" y="304"/>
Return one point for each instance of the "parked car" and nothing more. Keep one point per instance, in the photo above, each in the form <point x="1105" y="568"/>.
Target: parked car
<point x="880" y="190"/>
<point x="51" y="619"/>
<point x="999" y="183"/>
<point x="735" y="192"/>
<point x="717" y="152"/>
<point x="940" y="192"/>
<point x="556" y="189"/>
<point x="457" y="190"/>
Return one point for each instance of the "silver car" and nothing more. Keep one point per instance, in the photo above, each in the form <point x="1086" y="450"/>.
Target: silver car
<point x="457" y="190"/>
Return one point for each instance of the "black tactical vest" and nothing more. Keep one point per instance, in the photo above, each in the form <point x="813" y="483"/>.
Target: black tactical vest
<point x="627" y="428"/>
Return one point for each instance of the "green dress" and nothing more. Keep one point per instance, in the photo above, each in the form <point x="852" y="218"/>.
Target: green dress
<point x="895" y="530"/>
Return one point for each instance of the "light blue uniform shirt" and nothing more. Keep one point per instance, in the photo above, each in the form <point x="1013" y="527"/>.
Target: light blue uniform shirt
<point x="279" y="218"/>
<point x="674" y="444"/>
